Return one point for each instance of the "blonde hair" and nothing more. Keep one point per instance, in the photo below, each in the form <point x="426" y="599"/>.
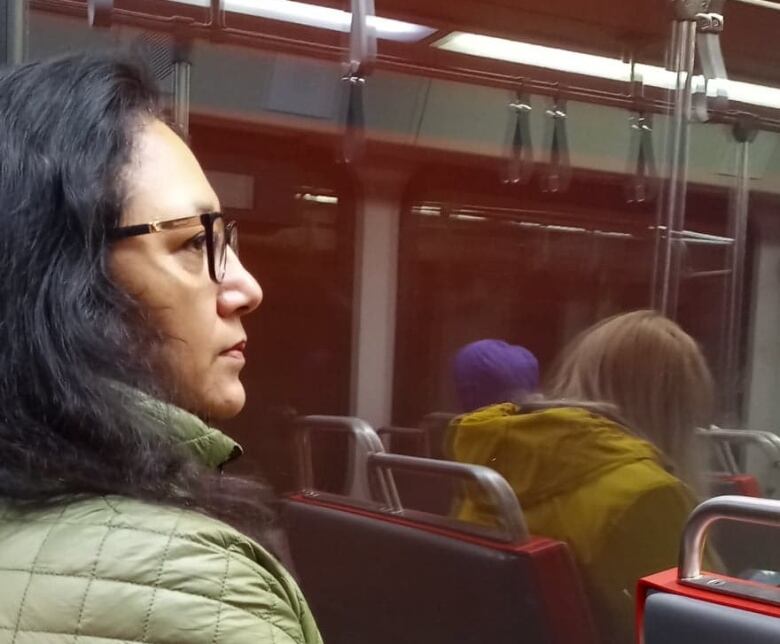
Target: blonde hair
<point x="653" y="372"/>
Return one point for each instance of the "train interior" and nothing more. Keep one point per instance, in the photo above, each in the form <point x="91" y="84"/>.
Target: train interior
<point x="411" y="177"/>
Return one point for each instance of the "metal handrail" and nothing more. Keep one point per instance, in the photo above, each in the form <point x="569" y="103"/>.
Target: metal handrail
<point x="507" y="506"/>
<point x="763" y="438"/>
<point x="390" y="431"/>
<point x="365" y="442"/>
<point x="737" y="508"/>
<point x="768" y="442"/>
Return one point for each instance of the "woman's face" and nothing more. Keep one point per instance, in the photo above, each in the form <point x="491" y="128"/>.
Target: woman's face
<point x="168" y="273"/>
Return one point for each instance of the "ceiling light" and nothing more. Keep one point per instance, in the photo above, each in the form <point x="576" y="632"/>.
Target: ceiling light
<point x="574" y="62"/>
<point x="528" y="54"/>
<point x="312" y="15"/>
<point x="326" y="199"/>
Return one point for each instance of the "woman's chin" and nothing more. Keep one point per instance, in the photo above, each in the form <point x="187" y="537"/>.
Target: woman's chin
<point x="227" y="402"/>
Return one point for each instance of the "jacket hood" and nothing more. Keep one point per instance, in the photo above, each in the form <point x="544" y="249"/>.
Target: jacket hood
<point x="549" y="452"/>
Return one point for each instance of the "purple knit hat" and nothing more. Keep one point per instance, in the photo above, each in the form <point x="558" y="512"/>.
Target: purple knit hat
<point x="487" y="372"/>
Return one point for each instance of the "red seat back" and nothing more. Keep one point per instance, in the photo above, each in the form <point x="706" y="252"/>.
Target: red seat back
<point x="686" y="604"/>
<point x="372" y="577"/>
<point x="740" y="484"/>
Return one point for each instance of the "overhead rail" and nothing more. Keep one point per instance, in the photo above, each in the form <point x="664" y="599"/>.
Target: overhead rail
<point x="607" y="94"/>
<point x="521" y="150"/>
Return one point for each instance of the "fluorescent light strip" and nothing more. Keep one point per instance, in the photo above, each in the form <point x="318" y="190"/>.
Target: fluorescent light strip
<point x="312" y="15"/>
<point x="536" y="55"/>
<point x="574" y="62"/>
<point x="326" y="199"/>
<point x="764" y="4"/>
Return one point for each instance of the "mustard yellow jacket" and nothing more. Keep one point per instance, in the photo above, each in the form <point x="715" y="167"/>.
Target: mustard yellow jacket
<point x="583" y="479"/>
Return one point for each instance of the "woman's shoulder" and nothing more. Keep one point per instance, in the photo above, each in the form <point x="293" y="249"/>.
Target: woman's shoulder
<point x="127" y="521"/>
<point x="645" y="487"/>
<point x="174" y="568"/>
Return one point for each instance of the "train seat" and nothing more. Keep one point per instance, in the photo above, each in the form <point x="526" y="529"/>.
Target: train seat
<point x="389" y="575"/>
<point x="436" y="425"/>
<point x="676" y="619"/>
<point x="686" y="605"/>
<point x="425" y="492"/>
<point x="738" y="453"/>
<point x="735" y="484"/>
<point x="346" y="457"/>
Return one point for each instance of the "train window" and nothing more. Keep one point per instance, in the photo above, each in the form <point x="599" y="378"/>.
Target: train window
<point x="509" y="264"/>
<point x="296" y="224"/>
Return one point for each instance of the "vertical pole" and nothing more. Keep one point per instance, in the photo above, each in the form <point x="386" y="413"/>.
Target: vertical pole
<point x="375" y="294"/>
<point x="671" y="220"/>
<point x="13" y="34"/>
<point x="744" y="133"/>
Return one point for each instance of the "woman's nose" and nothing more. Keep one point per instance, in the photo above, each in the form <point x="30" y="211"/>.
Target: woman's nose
<point x="239" y="292"/>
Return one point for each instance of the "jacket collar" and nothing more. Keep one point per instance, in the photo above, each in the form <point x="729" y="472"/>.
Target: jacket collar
<point x="208" y="445"/>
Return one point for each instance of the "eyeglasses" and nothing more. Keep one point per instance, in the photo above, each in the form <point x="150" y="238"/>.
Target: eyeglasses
<point x="219" y="235"/>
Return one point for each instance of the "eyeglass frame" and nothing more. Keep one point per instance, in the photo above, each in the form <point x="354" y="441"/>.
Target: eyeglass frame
<point x="205" y="219"/>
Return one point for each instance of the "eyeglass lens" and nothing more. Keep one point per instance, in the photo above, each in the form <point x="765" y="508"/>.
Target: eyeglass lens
<point x="224" y="235"/>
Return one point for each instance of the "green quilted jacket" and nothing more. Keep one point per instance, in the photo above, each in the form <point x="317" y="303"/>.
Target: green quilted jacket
<point x="112" y="569"/>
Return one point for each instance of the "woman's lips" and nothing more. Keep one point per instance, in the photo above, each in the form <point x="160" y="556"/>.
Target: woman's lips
<point x="236" y="352"/>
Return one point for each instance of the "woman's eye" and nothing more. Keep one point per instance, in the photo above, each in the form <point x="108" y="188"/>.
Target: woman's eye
<point x="197" y="243"/>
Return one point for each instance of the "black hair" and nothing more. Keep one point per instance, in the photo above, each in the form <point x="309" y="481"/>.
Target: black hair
<point x="75" y="348"/>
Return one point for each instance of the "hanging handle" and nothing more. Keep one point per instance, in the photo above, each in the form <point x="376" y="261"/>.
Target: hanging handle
<point x="99" y="13"/>
<point x="709" y="26"/>
<point x="353" y="118"/>
<point x="521" y="155"/>
<point x="182" y="71"/>
<point x="642" y="185"/>
<point x="558" y="175"/>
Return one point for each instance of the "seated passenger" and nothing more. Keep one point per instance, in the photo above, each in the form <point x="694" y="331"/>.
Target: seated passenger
<point x="487" y="372"/>
<point x="613" y="471"/>
<point x="120" y="336"/>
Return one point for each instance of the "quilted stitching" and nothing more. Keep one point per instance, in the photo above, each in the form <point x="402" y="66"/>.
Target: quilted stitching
<point x="98" y="554"/>
<point x="41" y="545"/>
<point x="221" y="595"/>
<point x="163" y="559"/>
<point x="67" y="637"/>
<point x="144" y="574"/>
